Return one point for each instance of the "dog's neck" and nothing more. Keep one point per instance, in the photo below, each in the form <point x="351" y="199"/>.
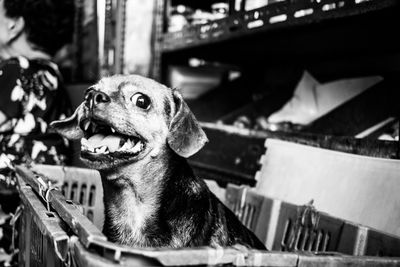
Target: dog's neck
<point x="132" y="198"/>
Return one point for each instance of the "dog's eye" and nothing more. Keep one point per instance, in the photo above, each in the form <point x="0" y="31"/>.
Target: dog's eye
<point x="141" y="100"/>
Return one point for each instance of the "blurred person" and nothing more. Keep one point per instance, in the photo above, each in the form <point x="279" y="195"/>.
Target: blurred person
<point x="31" y="89"/>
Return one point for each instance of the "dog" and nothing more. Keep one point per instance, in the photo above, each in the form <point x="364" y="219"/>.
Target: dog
<point x="138" y="134"/>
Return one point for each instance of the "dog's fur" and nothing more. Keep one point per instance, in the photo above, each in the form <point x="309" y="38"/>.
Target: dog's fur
<point x="153" y="199"/>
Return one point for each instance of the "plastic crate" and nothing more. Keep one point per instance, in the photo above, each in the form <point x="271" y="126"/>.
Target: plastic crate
<point x="85" y="245"/>
<point x="283" y="226"/>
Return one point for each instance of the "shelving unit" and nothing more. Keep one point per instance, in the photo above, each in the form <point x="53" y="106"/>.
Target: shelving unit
<point x="333" y="38"/>
<point x="277" y="16"/>
<point x="351" y="28"/>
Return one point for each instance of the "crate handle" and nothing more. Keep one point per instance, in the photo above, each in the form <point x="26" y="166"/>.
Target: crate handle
<point x="47" y="195"/>
<point x="307" y="217"/>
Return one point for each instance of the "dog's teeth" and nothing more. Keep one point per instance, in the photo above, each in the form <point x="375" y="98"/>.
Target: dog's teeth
<point x="130" y="143"/>
<point x="112" y="130"/>
<point x="86" y="125"/>
<point x="131" y="146"/>
<point x="101" y="150"/>
<point x="125" y="147"/>
<point x="137" y="147"/>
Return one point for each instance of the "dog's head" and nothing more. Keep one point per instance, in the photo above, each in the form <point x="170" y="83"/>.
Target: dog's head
<point x="124" y="119"/>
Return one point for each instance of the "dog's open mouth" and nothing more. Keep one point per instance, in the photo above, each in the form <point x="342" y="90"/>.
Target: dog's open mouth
<point x="103" y="139"/>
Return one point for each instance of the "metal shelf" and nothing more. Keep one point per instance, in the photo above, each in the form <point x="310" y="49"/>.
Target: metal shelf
<point x="273" y="17"/>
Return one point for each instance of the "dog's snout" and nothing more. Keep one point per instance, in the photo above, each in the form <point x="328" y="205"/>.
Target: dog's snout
<point x="95" y="97"/>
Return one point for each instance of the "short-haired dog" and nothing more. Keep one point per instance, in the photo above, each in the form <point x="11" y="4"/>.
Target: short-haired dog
<point x="138" y="134"/>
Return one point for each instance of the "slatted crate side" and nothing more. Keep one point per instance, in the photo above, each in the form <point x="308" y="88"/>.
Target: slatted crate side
<point x="70" y="213"/>
<point x="277" y="224"/>
<point x="254" y="203"/>
<point x="313" y="232"/>
<point x="288" y="231"/>
<point x="246" y="205"/>
<point x="332" y="227"/>
<point x="286" y="220"/>
<point x="283" y="226"/>
<point x="86" y="189"/>
<point x="82" y="186"/>
<point x="42" y="241"/>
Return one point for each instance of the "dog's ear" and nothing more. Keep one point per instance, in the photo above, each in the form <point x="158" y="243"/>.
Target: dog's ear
<point x="185" y="135"/>
<point x="69" y="127"/>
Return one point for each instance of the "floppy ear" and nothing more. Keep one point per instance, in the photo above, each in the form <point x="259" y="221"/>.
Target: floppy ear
<point x="69" y="127"/>
<point x="185" y="135"/>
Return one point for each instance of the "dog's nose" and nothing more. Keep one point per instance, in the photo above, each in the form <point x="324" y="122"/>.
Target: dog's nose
<point x="95" y="97"/>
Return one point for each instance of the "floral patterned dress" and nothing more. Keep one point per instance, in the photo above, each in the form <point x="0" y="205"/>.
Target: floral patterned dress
<point x="31" y="96"/>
